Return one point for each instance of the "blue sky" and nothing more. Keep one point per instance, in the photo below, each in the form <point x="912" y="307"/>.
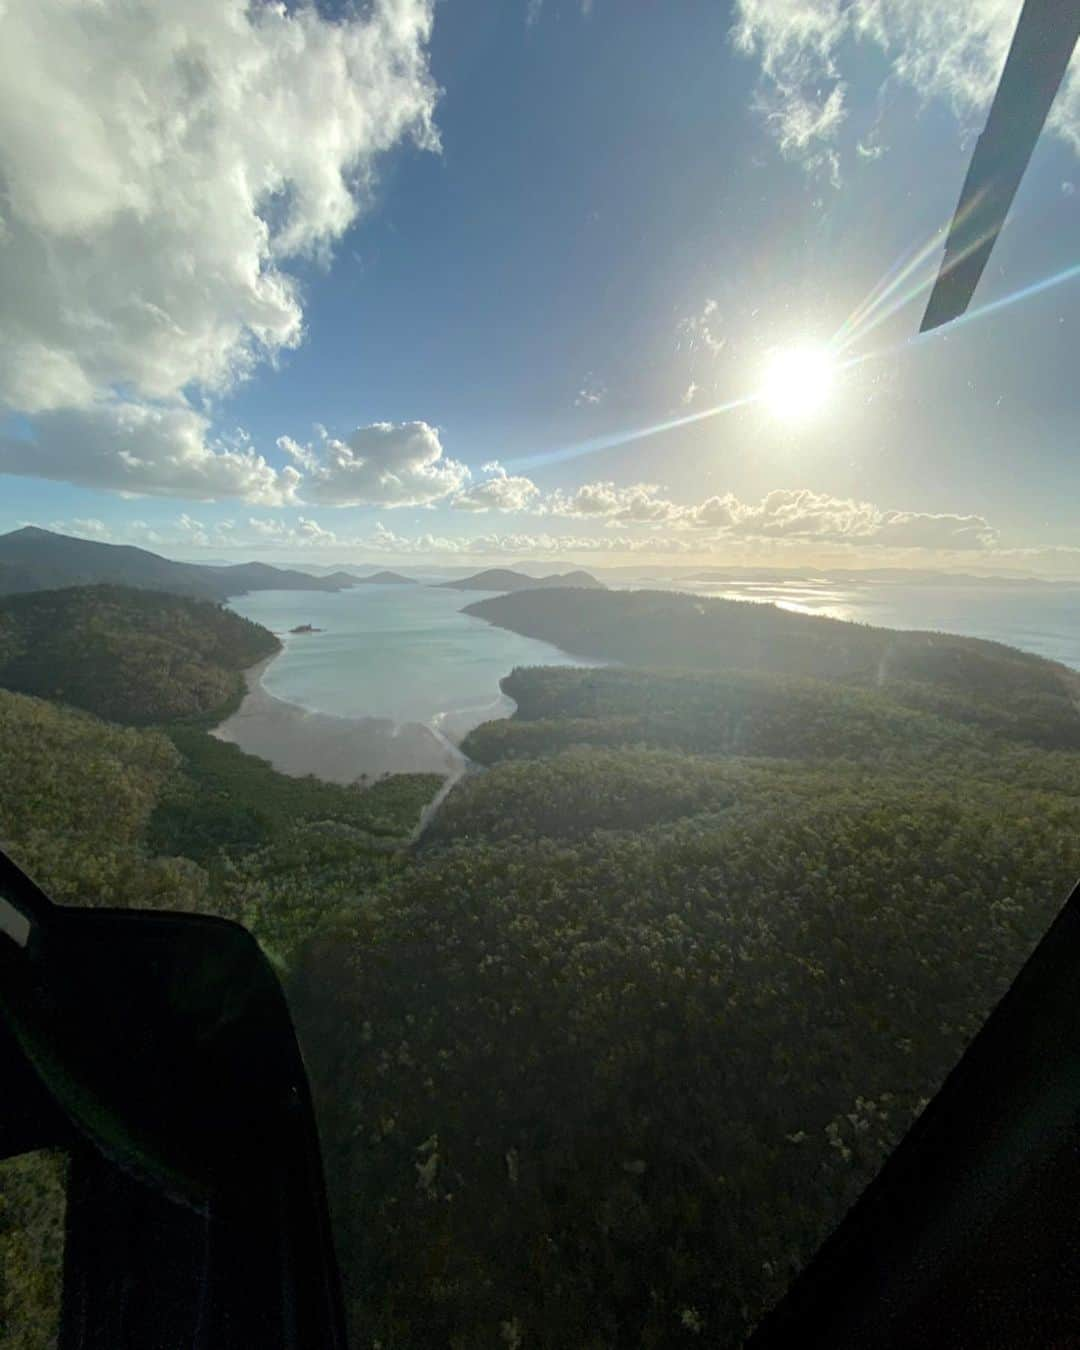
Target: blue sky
<point x="496" y="233"/>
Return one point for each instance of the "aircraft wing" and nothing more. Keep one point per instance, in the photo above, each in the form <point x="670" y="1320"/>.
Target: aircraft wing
<point x="1034" y="68"/>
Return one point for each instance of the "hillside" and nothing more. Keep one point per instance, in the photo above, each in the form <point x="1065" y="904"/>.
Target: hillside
<point x="237" y="578"/>
<point x="384" y="579"/>
<point x="981" y="683"/>
<point x="607" y="1055"/>
<point x="507" y="580"/>
<point x="33" y="559"/>
<point x="668" y="982"/>
<point x="107" y="815"/>
<point x="128" y="655"/>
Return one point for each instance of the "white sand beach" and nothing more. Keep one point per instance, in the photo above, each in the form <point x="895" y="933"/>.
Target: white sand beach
<point x="338" y="749"/>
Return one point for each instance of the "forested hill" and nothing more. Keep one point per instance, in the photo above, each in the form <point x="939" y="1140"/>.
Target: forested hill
<point x="128" y="655"/>
<point x="986" y="684"/>
<point x="33" y="559"/>
<point x="659" y="993"/>
<point x="605" y="1058"/>
<point x="123" y="816"/>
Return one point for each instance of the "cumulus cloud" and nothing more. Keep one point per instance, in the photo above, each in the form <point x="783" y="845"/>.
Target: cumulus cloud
<point x="943" y="50"/>
<point x="796" y="513"/>
<point x="156" y="180"/>
<point x="85" y="528"/>
<point x="385" y="464"/>
<point x="636" y="504"/>
<point x="789" y="521"/>
<point x="803" y="514"/>
<point x="500" y="491"/>
<point x="145" y="449"/>
<point x="521" y="545"/>
<point x="306" y="533"/>
<point x="915" y="529"/>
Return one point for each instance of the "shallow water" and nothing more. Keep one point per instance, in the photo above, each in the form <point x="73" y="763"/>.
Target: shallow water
<point x="403" y="653"/>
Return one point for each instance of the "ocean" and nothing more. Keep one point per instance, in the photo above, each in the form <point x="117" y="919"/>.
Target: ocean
<point x="1037" y="617"/>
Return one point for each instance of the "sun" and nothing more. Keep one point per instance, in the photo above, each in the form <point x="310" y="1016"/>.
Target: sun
<point x="797" y="381"/>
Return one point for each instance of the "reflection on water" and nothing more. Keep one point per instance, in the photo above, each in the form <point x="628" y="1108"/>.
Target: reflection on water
<point x="1040" y="617"/>
<point x="836" y="611"/>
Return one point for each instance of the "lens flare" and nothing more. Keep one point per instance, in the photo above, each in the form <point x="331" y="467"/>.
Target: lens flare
<point x="804" y="381"/>
<point x="613" y="441"/>
<point x="909" y="277"/>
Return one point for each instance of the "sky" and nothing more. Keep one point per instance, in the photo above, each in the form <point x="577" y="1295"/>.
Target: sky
<point x="583" y="280"/>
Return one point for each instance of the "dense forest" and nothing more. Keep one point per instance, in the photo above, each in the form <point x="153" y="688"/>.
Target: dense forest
<point x="139" y="657"/>
<point x="602" y="1058"/>
<point x="658" y="995"/>
<point x="170" y="818"/>
<point x="969" y="680"/>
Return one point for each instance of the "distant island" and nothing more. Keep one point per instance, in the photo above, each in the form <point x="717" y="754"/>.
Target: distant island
<point x="385" y="579"/>
<point x="305" y="628"/>
<point x="505" y="579"/>
<point x="32" y="559"/>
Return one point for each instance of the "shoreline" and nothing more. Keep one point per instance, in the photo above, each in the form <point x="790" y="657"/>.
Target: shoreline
<point x="336" y="749"/>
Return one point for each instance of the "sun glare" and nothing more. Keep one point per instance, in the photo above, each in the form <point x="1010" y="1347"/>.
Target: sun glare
<point x="797" y="382"/>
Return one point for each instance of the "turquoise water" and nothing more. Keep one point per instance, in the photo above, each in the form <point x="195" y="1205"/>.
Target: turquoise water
<point x="403" y="653"/>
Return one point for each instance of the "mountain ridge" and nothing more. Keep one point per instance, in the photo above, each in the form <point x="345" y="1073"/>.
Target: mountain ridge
<point x="383" y="579"/>
<point x="34" y="559"/>
<point x="506" y="580"/>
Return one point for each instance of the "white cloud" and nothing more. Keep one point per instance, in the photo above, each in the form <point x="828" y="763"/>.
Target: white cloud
<point x="802" y="96"/>
<point x="520" y="545"/>
<point x="917" y="529"/>
<point x="715" y="513"/>
<point x="796" y="513"/>
<point x="636" y="504"/>
<point x="312" y="533"/>
<point x="385" y="464"/>
<point x="306" y="533"/>
<point x="590" y="393"/>
<point x="91" y="529"/>
<point x="690" y="393"/>
<point x="941" y="49"/>
<point x="802" y="514"/>
<point x="499" y="492"/>
<point x="145" y="449"/>
<point x="785" y="528"/>
<point x="157" y="175"/>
